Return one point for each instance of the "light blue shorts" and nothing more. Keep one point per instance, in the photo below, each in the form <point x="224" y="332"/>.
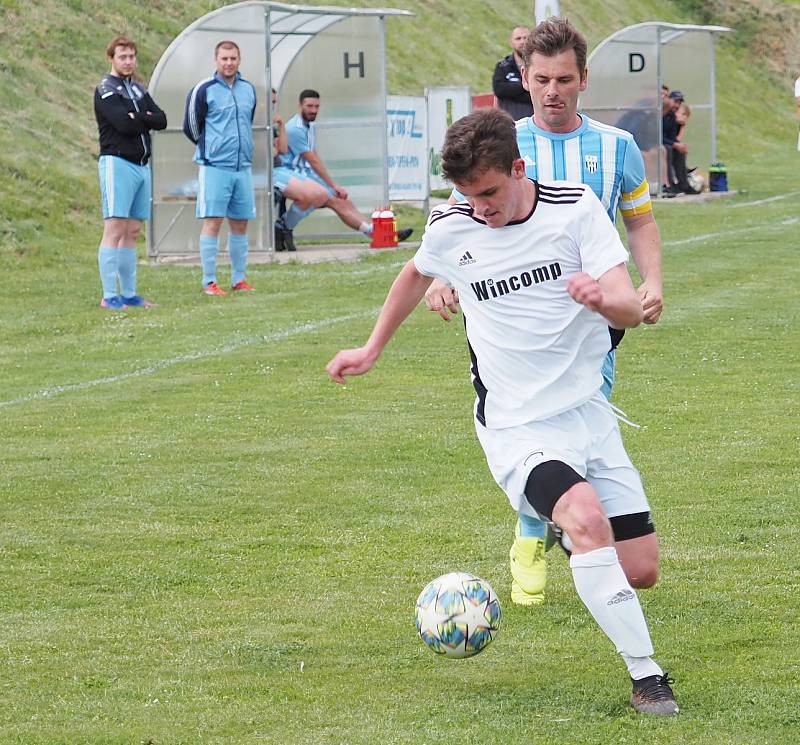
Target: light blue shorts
<point x="282" y="175"/>
<point x="124" y="188"/>
<point x="224" y="193"/>
<point x="313" y="177"/>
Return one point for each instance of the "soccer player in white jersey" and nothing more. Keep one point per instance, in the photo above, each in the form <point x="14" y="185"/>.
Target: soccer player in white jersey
<point x="559" y="143"/>
<point x="540" y="272"/>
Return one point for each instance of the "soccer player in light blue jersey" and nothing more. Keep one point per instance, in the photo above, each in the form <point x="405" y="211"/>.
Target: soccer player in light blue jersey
<point x="304" y="163"/>
<point x="558" y="143"/>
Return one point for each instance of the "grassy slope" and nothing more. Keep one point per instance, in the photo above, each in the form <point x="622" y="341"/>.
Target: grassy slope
<point x="48" y="190"/>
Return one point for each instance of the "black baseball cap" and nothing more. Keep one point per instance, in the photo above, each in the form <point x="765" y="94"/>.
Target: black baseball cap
<point x="677" y="95"/>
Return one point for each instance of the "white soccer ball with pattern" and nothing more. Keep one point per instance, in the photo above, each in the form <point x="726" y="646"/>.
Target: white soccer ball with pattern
<point x="458" y="614"/>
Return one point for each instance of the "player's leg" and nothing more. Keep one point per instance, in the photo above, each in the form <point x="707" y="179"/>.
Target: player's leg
<point x="619" y="486"/>
<point x="527" y="561"/>
<point x="307" y="195"/>
<point x="558" y="491"/>
<point x="115" y="200"/>
<point x="350" y="215"/>
<point x="241" y="208"/>
<point x="639" y="558"/>
<point x="213" y="194"/>
<point x="140" y="210"/>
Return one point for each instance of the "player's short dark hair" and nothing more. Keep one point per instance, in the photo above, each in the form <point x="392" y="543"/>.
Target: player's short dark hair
<point x="307" y="93"/>
<point x="483" y="140"/>
<point x="119" y="41"/>
<point x="553" y="36"/>
<point x="227" y="44"/>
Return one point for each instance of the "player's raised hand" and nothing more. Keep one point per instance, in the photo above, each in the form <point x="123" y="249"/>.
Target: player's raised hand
<point x="440" y="299"/>
<point x="350" y="362"/>
<point x="585" y="290"/>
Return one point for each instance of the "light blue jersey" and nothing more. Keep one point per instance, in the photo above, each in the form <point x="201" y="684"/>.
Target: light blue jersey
<point x="302" y="138"/>
<point x="603" y="157"/>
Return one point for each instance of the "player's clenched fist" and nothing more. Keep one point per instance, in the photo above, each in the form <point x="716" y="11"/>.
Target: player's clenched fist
<point x="585" y="290"/>
<point x="350" y="362"/>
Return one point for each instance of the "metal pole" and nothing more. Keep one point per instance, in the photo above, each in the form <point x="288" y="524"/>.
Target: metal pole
<point x="269" y="201"/>
<point x="712" y="47"/>
<point x="384" y="134"/>
<point x="660" y="144"/>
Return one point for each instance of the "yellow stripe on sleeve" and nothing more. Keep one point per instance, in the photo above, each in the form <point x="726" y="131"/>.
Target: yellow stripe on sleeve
<point x="636" y="202"/>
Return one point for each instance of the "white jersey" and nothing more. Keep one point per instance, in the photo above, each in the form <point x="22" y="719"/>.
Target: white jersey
<point x="535" y="351"/>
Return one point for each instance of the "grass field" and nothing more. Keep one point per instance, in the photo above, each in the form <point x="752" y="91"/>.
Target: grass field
<point x="204" y="540"/>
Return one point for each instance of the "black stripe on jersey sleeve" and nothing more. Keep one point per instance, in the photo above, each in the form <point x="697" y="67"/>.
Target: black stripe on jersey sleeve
<point x="557" y="191"/>
<point x="454" y="209"/>
<point x="561" y="200"/>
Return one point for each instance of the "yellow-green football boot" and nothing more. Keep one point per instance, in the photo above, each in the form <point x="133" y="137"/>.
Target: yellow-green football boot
<point x="528" y="569"/>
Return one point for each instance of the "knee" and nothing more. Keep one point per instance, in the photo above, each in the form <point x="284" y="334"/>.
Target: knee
<point x="643" y="575"/>
<point x="589" y="527"/>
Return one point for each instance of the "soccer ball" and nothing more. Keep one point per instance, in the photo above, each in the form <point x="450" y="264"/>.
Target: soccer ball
<point x="458" y="614"/>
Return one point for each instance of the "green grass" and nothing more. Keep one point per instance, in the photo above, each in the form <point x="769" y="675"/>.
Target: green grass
<point x="203" y="540"/>
<point x="222" y="546"/>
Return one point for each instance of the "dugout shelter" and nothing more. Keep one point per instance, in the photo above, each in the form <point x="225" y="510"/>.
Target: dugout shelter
<point x="339" y="52"/>
<point x="626" y="72"/>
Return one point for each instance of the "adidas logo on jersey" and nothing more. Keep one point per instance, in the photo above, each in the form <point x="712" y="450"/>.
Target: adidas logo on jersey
<point x="466" y="259"/>
<point x="621" y="597"/>
<point x="487" y="288"/>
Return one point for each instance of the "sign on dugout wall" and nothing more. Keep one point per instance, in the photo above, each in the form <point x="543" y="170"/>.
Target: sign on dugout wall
<point x="407" y="136"/>
<point x="445" y="106"/>
<point x="337" y="51"/>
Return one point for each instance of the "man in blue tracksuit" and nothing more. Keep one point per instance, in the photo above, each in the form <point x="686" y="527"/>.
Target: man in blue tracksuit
<point x="219" y="120"/>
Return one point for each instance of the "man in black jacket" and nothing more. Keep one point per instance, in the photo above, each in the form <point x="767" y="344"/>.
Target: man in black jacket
<point x="125" y="114"/>
<point x="676" y="150"/>
<point x="507" y="79"/>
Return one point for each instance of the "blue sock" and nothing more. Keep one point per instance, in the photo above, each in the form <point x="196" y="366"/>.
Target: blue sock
<point x="293" y="216"/>
<point x="107" y="263"/>
<point x="531" y="527"/>
<point x="209" y="246"/>
<point x="126" y="268"/>
<point x="237" y="248"/>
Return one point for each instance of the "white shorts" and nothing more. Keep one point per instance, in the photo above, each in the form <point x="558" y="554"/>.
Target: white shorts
<point x="586" y="438"/>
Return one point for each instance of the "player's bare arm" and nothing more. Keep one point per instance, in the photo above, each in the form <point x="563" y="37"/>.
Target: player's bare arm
<point x="612" y="296"/>
<point x="406" y="291"/>
<point x="644" y="242"/>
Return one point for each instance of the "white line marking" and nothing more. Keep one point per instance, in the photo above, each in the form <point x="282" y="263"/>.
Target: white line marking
<point x="764" y="201"/>
<point x="311" y="326"/>
<point x="737" y="231"/>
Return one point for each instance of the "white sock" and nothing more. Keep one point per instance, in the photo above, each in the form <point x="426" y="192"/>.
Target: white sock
<point x="365" y="228"/>
<point x="605" y="591"/>
<point x="641" y="667"/>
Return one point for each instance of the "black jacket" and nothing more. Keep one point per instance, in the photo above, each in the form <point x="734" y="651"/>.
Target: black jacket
<point x="507" y="87"/>
<point x="669" y="128"/>
<point x="125" y="114"/>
